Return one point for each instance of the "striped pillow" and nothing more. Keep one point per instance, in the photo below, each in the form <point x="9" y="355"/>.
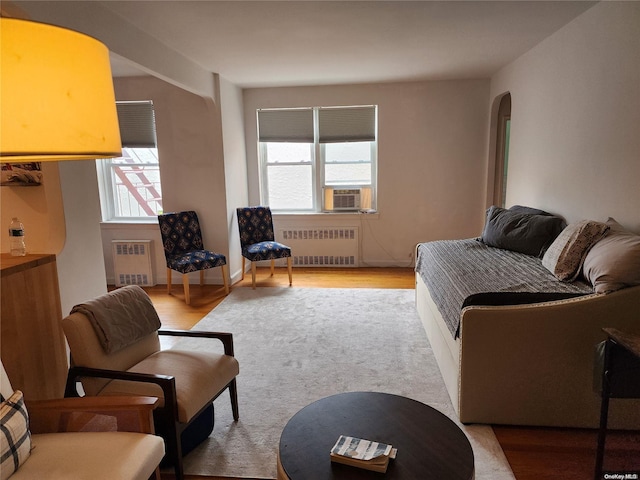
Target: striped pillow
<point x="15" y="436"/>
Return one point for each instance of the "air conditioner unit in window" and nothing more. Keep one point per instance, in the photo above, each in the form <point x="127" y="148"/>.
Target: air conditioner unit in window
<point x="346" y="199"/>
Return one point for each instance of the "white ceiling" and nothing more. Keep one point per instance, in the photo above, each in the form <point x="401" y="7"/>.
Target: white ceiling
<point x="284" y="43"/>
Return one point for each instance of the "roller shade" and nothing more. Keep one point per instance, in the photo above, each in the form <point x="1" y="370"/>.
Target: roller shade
<point x="286" y="125"/>
<point x="137" y="124"/>
<point x="347" y="124"/>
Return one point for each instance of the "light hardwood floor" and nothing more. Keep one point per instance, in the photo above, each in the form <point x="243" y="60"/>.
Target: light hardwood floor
<point x="533" y="453"/>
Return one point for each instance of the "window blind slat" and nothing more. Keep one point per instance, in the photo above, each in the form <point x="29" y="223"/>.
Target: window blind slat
<point x="347" y="124"/>
<point x="137" y="124"/>
<point x="286" y="125"/>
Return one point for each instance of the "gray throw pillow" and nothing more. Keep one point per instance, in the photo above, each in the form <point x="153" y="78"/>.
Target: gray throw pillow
<point x="520" y="230"/>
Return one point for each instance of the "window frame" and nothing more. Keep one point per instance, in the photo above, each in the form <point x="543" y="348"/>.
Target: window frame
<point x="318" y="165"/>
<point x="264" y="184"/>
<point x="137" y="131"/>
<point x="106" y="178"/>
<point x="373" y="146"/>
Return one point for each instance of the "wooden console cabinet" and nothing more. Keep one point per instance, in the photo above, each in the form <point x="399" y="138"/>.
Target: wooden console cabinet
<point x="32" y="344"/>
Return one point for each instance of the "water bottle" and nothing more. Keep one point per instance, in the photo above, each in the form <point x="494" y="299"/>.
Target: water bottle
<point x="16" y="238"/>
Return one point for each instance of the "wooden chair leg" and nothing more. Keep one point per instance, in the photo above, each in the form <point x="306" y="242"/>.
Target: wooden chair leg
<point x="169" y="281"/>
<point x="201" y="277"/>
<point x="273" y="265"/>
<point x="243" y="260"/>
<point x="253" y="275"/>
<point x="604" y="411"/>
<point x="185" y="282"/>
<point x="290" y="269"/>
<point x="169" y="429"/>
<point x="156" y="475"/>
<point x="173" y="444"/>
<point x="224" y="279"/>
<point x="233" y="392"/>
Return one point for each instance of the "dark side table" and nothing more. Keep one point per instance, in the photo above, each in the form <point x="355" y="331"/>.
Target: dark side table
<point x="430" y="445"/>
<point x="620" y="379"/>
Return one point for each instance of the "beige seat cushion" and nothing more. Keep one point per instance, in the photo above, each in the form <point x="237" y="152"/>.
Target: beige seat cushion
<point x="199" y="377"/>
<point x="98" y="456"/>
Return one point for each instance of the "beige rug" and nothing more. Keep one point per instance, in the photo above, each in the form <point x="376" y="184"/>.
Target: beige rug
<point x="297" y="345"/>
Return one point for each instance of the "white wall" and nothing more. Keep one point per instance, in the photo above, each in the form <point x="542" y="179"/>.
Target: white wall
<point x="81" y="272"/>
<point x="235" y="168"/>
<point x="575" y="130"/>
<point x="431" y="160"/>
<point x="189" y="135"/>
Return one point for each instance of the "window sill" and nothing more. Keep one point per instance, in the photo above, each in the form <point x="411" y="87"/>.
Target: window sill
<point x="324" y="215"/>
<point x="119" y="224"/>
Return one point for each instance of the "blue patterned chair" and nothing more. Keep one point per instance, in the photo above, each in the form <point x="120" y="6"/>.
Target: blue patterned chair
<point x="184" y="251"/>
<point x="257" y="240"/>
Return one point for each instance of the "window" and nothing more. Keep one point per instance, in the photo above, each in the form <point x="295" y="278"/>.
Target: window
<point x="310" y="156"/>
<point x="130" y="187"/>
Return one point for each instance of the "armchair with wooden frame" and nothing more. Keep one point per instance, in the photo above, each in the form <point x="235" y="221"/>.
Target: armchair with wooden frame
<point x="186" y="380"/>
<point x="97" y="438"/>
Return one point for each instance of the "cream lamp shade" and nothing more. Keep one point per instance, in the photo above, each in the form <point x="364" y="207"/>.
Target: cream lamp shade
<point x="56" y="95"/>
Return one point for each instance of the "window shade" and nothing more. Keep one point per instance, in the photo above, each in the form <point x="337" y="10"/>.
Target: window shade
<point x="347" y="124"/>
<point x="293" y="125"/>
<point x="137" y="124"/>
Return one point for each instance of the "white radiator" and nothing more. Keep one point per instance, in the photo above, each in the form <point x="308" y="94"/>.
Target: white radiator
<point x="132" y="262"/>
<point x="321" y="246"/>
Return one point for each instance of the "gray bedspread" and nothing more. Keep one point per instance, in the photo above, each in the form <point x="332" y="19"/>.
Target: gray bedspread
<point x="468" y="272"/>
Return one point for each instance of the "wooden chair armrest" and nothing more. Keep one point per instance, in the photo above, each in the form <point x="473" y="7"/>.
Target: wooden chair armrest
<point x="166" y="382"/>
<point x="92" y="414"/>
<point x="225" y="337"/>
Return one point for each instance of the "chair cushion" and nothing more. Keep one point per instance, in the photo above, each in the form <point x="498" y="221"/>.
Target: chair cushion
<point x="266" y="251"/>
<point x="200" y="376"/>
<point x="195" y="261"/>
<point x="86" y="350"/>
<point x="95" y="455"/>
<point x="14" y="434"/>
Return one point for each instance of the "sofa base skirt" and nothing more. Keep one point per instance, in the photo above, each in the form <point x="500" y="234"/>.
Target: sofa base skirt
<point x="531" y="364"/>
<point x="445" y="349"/>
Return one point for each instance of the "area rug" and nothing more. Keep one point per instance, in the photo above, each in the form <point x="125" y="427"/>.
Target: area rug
<point x="297" y="345"/>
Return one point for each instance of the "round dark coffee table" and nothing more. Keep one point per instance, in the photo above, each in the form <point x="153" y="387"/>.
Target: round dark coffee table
<point x="430" y="445"/>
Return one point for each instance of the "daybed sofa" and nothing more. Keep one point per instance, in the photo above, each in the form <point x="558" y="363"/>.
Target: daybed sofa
<point x="515" y="315"/>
